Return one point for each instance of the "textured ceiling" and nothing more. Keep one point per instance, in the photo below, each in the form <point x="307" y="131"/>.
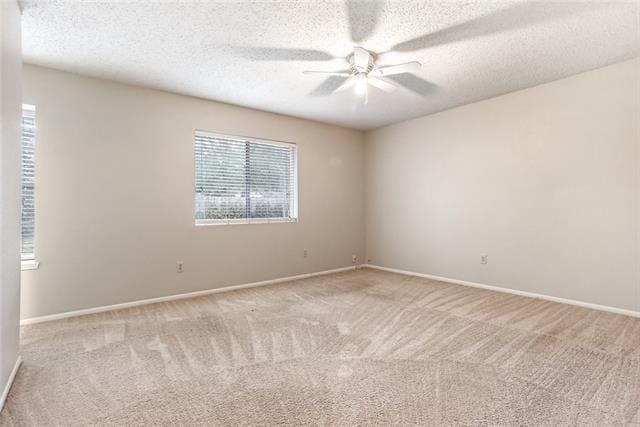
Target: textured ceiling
<point x="253" y="53"/>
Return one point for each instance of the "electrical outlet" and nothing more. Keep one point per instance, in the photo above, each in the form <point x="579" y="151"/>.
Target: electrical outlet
<point x="483" y="259"/>
<point x="179" y="267"/>
<point x="304" y="253"/>
<point x="354" y="259"/>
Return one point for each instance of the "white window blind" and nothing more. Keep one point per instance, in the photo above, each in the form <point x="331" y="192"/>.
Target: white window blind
<point x="28" y="182"/>
<point x="241" y="180"/>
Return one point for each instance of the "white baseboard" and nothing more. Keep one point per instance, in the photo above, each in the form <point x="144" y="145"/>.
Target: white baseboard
<point x="509" y="291"/>
<point x="7" y="387"/>
<point x="100" y="309"/>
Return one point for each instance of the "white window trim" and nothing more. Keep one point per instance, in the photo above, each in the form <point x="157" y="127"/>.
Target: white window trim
<point x="246" y="138"/>
<point x="29" y="264"/>
<point x="237" y="221"/>
<point x="295" y="217"/>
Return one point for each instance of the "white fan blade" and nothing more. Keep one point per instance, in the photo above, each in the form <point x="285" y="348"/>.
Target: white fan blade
<point x="346" y="85"/>
<point x="361" y="58"/>
<point x="382" y="84"/>
<point x="329" y="73"/>
<point x="407" y="67"/>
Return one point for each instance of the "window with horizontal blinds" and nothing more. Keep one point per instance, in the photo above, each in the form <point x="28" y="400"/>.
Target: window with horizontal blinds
<point x="28" y="216"/>
<point x="244" y="180"/>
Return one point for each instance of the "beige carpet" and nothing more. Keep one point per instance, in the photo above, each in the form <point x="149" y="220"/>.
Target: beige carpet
<point x="357" y="348"/>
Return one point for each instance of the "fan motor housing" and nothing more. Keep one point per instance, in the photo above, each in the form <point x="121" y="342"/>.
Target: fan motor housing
<point x="358" y="70"/>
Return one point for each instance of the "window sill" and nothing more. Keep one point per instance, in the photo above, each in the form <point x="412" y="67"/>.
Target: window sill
<point x="245" y="221"/>
<point x="31" y="264"/>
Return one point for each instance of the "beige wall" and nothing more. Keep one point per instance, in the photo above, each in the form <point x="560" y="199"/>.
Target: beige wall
<point x="544" y="181"/>
<point x="10" y="77"/>
<point x="115" y="179"/>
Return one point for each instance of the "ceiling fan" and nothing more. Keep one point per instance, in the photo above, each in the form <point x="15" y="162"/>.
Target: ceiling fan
<point x="363" y="73"/>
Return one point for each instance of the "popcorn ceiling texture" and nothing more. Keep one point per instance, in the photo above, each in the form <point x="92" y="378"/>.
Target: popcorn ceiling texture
<point x="253" y="53"/>
<point x="359" y="348"/>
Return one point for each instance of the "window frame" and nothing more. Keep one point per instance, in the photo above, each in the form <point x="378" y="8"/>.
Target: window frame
<point x="295" y="215"/>
<point x="28" y="261"/>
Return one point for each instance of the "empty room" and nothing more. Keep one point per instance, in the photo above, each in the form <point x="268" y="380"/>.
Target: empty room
<point x="338" y="212"/>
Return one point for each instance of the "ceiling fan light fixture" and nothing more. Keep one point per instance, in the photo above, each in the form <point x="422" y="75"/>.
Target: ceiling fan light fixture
<point x="361" y="84"/>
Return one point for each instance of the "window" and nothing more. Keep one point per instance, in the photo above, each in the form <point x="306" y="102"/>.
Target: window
<point x="28" y="214"/>
<point x="242" y="180"/>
